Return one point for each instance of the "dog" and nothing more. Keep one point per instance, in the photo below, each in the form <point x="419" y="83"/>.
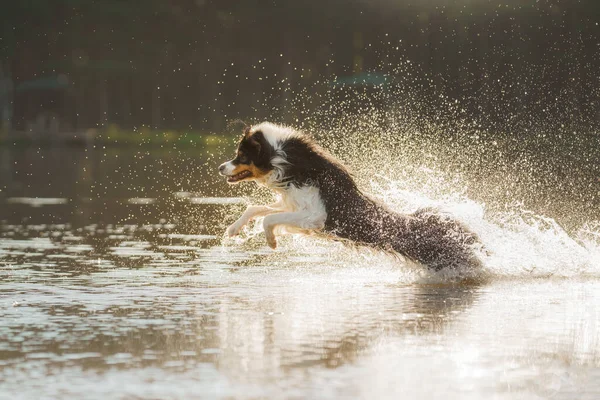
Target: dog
<point x="317" y="195"/>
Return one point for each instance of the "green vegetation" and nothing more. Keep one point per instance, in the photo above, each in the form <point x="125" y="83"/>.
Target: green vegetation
<point x="115" y="136"/>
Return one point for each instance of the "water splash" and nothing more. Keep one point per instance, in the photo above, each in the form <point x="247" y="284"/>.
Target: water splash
<point x="518" y="241"/>
<point x="407" y="170"/>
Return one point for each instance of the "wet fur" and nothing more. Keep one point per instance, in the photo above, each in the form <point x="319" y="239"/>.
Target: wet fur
<point x="292" y="163"/>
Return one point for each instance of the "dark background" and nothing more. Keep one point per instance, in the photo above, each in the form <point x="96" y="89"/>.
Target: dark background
<point x="196" y="64"/>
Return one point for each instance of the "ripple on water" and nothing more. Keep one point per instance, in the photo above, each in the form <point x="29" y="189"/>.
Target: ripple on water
<point x="163" y="309"/>
<point x="37" y="201"/>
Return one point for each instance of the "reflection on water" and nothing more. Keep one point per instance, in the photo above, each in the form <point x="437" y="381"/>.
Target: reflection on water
<point x="127" y="290"/>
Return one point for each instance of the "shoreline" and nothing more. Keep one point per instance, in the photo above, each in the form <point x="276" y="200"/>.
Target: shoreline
<point x="113" y="138"/>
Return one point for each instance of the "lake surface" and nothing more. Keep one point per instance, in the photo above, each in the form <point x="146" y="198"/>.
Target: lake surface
<point x="115" y="282"/>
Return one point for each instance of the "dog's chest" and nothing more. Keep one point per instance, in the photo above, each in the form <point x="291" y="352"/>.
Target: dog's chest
<point x="305" y="198"/>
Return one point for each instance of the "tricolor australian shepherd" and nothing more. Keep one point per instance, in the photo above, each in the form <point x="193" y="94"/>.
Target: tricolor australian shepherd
<point x="318" y="195"/>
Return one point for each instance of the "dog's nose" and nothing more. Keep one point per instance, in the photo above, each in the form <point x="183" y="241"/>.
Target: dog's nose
<point x="221" y="168"/>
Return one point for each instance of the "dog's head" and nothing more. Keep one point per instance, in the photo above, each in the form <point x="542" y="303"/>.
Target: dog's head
<point x="252" y="160"/>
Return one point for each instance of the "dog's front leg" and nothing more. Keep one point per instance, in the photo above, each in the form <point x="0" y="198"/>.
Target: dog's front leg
<point x="251" y="213"/>
<point x="304" y="220"/>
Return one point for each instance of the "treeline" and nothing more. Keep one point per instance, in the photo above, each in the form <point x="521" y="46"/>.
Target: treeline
<point x="194" y="64"/>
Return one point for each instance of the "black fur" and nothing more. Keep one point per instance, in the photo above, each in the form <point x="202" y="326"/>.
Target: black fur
<point x="254" y="149"/>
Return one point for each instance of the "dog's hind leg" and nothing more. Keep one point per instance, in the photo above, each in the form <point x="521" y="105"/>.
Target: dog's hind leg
<point x="300" y="220"/>
<point x="251" y="213"/>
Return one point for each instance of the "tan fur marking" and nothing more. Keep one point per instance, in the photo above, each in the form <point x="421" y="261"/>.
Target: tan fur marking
<point x="256" y="172"/>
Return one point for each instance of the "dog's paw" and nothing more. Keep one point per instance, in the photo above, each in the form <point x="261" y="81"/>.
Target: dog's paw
<point x="234" y="229"/>
<point x="271" y="241"/>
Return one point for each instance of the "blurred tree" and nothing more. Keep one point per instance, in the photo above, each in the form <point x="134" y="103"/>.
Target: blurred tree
<point x="197" y="63"/>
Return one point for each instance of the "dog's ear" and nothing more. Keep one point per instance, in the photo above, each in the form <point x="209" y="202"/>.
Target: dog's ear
<point x="236" y="124"/>
<point x="246" y="130"/>
<point x="258" y="139"/>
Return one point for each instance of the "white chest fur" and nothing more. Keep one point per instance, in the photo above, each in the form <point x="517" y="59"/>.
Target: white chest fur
<point x="305" y="198"/>
<point x="304" y="208"/>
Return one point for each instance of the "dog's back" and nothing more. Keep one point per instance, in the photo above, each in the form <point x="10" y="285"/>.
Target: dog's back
<point x="426" y="236"/>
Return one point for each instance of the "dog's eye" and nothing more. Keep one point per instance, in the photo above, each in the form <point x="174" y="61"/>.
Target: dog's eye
<point x="243" y="159"/>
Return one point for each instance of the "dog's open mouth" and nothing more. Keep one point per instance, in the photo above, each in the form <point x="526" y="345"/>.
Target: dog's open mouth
<point x="238" y="177"/>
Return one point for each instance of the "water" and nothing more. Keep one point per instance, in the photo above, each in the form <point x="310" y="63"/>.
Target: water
<point x="115" y="282"/>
